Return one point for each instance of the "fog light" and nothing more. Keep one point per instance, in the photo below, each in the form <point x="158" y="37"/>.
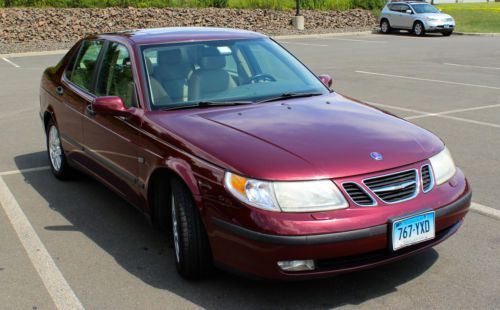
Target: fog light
<point x="296" y="265"/>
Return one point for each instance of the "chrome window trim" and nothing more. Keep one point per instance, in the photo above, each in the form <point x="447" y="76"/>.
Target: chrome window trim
<point x="431" y="174"/>
<point x="364" y="190"/>
<point x="416" y="182"/>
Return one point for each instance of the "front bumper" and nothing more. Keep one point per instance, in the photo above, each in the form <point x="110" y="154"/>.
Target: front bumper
<point x="439" y="26"/>
<point x="256" y="254"/>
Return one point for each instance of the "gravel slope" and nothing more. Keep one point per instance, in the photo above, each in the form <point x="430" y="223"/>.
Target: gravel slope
<point x="49" y="29"/>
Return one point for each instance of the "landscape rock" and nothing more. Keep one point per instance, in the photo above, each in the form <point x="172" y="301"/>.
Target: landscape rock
<point x="50" y="28"/>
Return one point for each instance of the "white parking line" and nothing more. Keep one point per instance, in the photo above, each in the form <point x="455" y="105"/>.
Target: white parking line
<point x="306" y="44"/>
<point x="10" y="62"/>
<point x="60" y="291"/>
<point x="471" y="66"/>
<point x="427" y="80"/>
<point x="484" y="210"/>
<point x="11" y="172"/>
<point x="427" y="114"/>
<point x="455" y="111"/>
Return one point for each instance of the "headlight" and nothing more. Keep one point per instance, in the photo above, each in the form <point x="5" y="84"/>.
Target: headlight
<point x="305" y="196"/>
<point x="443" y="166"/>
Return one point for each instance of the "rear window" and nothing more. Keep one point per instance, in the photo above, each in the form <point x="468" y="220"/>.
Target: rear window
<point x="82" y="67"/>
<point x="395" y="7"/>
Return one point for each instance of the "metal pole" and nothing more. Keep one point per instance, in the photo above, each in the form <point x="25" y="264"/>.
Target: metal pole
<point x="297" y="8"/>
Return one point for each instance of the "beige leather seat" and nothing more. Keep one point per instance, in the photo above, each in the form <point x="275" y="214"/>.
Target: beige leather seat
<point x="211" y="78"/>
<point x="172" y="72"/>
<point x="125" y="87"/>
<point x="160" y="96"/>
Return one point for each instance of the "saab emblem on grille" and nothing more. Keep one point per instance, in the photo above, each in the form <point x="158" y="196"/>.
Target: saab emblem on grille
<point x="376" y="156"/>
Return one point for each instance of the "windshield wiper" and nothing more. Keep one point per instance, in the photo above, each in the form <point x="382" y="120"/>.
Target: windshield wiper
<point x="204" y="104"/>
<point x="285" y="96"/>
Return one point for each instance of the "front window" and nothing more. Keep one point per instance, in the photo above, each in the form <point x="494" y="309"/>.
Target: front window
<point x="115" y="77"/>
<point x="223" y="71"/>
<point x="425" y="8"/>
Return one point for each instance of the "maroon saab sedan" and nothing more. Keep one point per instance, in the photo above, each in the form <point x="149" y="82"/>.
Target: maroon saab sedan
<point x="249" y="160"/>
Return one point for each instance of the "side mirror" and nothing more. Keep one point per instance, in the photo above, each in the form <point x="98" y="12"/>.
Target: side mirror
<point x="110" y="105"/>
<point x="409" y="12"/>
<point x="326" y="79"/>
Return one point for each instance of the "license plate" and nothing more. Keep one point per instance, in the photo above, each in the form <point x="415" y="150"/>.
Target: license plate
<point x="412" y="230"/>
<point x="446" y="26"/>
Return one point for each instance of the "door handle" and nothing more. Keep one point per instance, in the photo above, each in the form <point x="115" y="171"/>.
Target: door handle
<point x="89" y="111"/>
<point x="59" y="91"/>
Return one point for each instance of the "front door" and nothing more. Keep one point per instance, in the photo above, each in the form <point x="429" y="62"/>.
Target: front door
<point x="110" y="140"/>
<point x="406" y="18"/>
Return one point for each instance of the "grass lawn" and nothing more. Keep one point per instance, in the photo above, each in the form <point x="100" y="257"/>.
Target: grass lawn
<point x="474" y="17"/>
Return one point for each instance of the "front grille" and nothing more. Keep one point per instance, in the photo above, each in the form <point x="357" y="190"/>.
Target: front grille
<point x="358" y="194"/>
<point x="394" y="187"/>
<point x="427" y="179"/>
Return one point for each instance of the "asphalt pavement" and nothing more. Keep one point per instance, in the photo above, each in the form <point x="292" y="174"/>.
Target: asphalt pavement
<point x="78" y="243"/>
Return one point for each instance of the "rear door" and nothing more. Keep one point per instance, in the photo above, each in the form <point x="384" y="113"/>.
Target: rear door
<point x="395" y="15"/>
<point x="109" y="140"/>
<point x="75" y="94"/>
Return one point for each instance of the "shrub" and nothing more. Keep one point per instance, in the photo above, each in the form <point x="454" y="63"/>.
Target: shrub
<point x="369" y="4"/>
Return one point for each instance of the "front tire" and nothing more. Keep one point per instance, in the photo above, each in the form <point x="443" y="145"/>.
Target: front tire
<point x="57" y="159"/>
<point x="193" y="258"/>
<point x="419" y="29"/>
<point x="385" y="27"/>
<point x="447" y="33"/>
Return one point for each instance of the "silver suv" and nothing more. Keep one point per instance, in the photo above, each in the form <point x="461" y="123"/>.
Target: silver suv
<point x="418" y="17"/>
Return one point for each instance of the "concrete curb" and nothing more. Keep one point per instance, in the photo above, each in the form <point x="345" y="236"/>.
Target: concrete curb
<point x="29" y="54"/>
<point x="322" y="35"/>
<point x="280" y="37"/>
<point x="478" y="34"/>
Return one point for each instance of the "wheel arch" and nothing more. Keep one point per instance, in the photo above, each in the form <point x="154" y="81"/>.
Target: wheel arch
<point x="161" y="176"/>
<point x="47" y="116"/>
<point x="418" y="21"/>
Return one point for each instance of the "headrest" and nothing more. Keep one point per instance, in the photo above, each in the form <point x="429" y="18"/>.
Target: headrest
<point x="149" y="66"/>
<point x="211" y="59"/>
<point x="169" y="57"/>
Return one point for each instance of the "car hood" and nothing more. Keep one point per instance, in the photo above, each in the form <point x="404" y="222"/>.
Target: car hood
<point x="436" y="15"/>
<point x="319" y="137"/>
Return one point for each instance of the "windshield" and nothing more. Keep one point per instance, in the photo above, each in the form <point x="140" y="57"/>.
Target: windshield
<point x="425" y="8"/>
<point x="223" y="71"/>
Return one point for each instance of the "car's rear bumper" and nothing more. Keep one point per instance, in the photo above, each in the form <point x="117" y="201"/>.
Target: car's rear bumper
<point x="256" y="254"/>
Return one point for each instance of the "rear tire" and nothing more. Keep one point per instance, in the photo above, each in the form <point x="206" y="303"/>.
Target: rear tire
<point x="447" y="33"/>
<point x="419" y="29"/>
<point x="57" y="159"/>
<point x="193" y="257"/>
<point x="385" y="27"/>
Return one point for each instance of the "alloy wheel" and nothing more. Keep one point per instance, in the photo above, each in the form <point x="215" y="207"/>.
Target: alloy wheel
<point x="384" y="27"/>
<point x="418" y="29"/>
<point x="175" y="230"/>
<point x="55" y="150"/>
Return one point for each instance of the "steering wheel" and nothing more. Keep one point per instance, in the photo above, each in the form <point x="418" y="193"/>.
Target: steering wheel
<point x="262" y="77"/>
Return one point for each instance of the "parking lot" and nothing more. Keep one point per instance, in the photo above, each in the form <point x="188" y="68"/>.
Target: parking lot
<point x="78" y="244"/>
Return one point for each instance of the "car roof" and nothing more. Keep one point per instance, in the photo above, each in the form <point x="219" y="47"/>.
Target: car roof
<point x="408" y="2"/>
<point x="182" y="34"/>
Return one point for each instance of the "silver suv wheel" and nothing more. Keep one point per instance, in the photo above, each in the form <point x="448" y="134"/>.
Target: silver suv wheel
<point x="418" y="29"/>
